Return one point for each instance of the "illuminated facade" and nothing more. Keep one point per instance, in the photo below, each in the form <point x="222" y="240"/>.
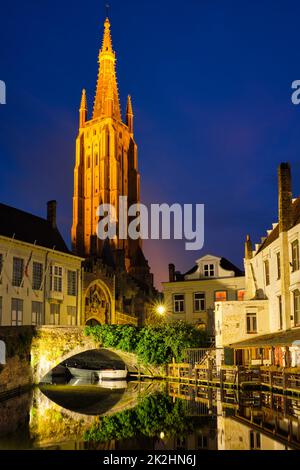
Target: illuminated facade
<point x="117" y="282"/>
<point x="191" y="296"/>
<point x="265" y="328"/>
<point x="106" y="164"/>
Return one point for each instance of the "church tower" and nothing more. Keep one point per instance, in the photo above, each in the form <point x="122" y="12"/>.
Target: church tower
<point x="106" y="164"/>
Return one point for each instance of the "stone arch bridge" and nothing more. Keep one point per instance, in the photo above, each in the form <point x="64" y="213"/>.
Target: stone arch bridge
<point x="54" y="344"/>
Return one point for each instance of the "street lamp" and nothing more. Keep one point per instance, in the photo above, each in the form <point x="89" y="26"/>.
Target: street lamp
<point x="161" y="309"/>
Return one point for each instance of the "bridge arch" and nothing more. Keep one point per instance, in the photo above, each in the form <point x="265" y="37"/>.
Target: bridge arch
<point x="53" y="345"/>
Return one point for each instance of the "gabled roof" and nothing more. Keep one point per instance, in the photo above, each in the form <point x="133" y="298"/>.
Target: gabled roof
<point x="29" y="228"/>
<point x="275" y="232"/>
<point x="224" y="263"/>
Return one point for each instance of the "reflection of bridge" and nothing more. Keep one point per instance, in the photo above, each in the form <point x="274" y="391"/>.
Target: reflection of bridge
<point x="51" y="423"/>
<point x="53" y="345"/>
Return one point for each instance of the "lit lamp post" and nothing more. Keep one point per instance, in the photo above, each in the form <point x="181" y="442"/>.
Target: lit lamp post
<point x="161" y="309"/>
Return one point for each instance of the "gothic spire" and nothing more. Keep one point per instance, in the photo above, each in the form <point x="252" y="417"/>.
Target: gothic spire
<point x="129" y="115"/>
<point x="83" y="108"/>
<point x="107" y="79"/>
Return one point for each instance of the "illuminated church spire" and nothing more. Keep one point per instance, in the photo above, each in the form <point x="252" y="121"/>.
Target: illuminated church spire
<point x="83" y="109"/>
<point x="107" y="79"/>
<point x="129" y="115"/>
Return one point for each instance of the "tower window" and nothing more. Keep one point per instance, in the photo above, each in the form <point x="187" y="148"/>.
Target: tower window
<point x="88" y="162"/>
<point x="96" y="159"/>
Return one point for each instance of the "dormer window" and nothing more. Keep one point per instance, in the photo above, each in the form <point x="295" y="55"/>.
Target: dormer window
<point x="208" y="270"/>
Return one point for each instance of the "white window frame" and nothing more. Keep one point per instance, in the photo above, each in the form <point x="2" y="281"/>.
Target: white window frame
<point x="34" y="277"/>
<point x="56" y="278"/>
<point x="267" y="271"/>
<point x="253" y="320"/>
<point x="296" y="305"/>
<point x="295" y="260"/>
<point x="37" y="314"/>
<point x="178" y="303"/>
<point x="54" y="315"/>
<point x="200" y="301"/>
<point x="72" y="315"/>
<point x="17" y="319"/>
<point x="208" y="270"/>
<point x="17" y="277"/>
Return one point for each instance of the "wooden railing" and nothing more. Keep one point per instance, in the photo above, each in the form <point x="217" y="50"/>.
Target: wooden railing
<point x="284" y="380"/>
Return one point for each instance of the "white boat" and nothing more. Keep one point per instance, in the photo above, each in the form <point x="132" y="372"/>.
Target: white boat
<point x="100" y="374"/>
<point x="109" y="374"/>
<point x="108" y="384"/>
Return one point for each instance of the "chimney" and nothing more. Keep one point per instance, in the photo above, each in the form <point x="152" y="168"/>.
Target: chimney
<point x="248" y="248"/>
<point x="51" y="213"/>
<point x="284" y="197"/>
<point x="171" y="272"/>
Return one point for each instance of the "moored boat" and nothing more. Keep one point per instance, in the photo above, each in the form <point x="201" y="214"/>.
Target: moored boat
<point x="98" y="374"/>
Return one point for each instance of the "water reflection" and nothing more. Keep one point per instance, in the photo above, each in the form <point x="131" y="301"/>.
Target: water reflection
<point x="148" y="415"/>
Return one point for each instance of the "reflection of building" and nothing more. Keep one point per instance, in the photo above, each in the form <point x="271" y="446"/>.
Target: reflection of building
<point x="40" y="278"/>
<point x="191" y="296"/>
<point x="118" y="285"/>
<point x="265" y="327"/>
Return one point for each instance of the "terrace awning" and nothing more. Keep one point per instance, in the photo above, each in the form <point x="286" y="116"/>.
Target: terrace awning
<point x="282" y="338"/>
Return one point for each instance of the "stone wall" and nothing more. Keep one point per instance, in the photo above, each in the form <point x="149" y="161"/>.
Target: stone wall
<point x="16" y="372"/>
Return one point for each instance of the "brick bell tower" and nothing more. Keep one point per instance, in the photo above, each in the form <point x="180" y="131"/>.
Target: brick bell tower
<point x="106" y="165"/>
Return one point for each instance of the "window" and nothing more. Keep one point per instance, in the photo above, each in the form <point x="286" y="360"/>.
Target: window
<point x="37" y="275"/>
<point x="295" y="255"/>
<point x="16" y="312"/>
<point x="56" y="278"/>
<point x="37" y="313"/>
<point x="296" y="295"/>
<point x="71" y="282"/>
<point x="251" y="322"/>
<point x="240" y="294"/>
<point x="71" y="315"/>
<point x="54" y="314"/>
<point x="278" y="265"/>
<point x="18" y="268"/>
<point x="208" y="270"/>
<point x="88" y="162"/>
<point x="280" y="312"/>
<point x="199" y="301"/>
<point x="178" y="303"/>
<point x="267" y="272"/>
<point x="220" y="296"/>
<point x="96" y="159"/>
<point x="0" y="310"/>
<point x="254" y="440"/>
<point x="1" y="267"/>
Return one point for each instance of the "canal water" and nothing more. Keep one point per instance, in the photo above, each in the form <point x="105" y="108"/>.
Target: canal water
<point x="149" y="415"/>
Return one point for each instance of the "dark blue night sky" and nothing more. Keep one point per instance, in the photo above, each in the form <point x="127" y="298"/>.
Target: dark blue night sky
<point x="211" y="87"/>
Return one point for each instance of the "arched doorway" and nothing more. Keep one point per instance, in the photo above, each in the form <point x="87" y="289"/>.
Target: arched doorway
<point x="97" y="304"/>
<point x="92" y="322"/>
